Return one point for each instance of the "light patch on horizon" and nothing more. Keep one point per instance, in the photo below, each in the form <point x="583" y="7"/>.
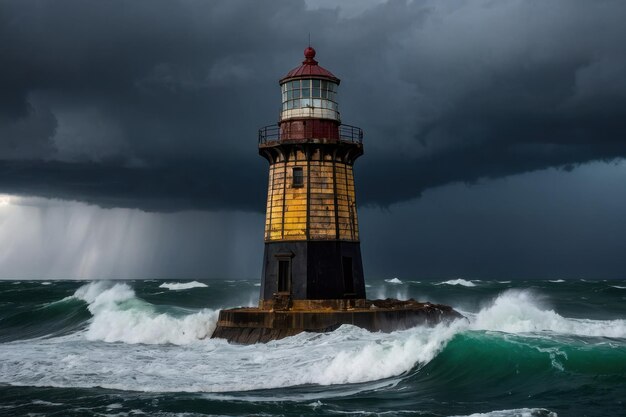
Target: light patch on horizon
<point x="5" y="200"/>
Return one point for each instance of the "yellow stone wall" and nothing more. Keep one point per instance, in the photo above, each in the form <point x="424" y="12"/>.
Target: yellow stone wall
<point x="287" y="206"/>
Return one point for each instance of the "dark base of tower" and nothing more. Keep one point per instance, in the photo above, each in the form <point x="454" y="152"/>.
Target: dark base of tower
<point x="254" y="325"/>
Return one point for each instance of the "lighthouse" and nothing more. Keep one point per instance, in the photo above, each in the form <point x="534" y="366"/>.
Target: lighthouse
<point x="312" y="249"/>
<point x="312" y="274"/>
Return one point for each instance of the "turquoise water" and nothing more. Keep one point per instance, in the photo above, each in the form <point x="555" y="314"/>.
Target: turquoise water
<point x="120" y="348"/>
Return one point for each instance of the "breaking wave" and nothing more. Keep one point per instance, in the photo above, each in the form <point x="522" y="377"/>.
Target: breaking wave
<point x="119" y="316"/>
<point x="394" y="281"/>
<point x="518" y="311"/>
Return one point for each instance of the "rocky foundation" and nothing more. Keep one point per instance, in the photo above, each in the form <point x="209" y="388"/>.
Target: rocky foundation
<point x="276" y="320"/>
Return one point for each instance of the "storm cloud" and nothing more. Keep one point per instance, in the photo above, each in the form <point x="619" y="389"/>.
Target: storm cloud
<point x="155" y="104"/>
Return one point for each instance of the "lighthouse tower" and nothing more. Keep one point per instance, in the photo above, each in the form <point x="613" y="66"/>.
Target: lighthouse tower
<point x="312" y="249"/>
<point x="312" y="278"/>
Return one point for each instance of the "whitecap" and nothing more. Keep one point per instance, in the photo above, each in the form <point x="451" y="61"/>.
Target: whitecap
<point x="618" y="287"/>
<point x="459" y="281"/>
<point x="393" y="281"/>
<point x="177" y="286"/>
<point x="556" y="280"/>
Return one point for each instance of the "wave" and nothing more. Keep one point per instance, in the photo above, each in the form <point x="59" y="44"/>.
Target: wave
<point x="619" y="287"/>
<point x="44" y="320"/>
<point x="175" y="286"/>
<point x="520" y="311"/>
<point x="519" y="412"/>
<point x="514" y="334"/>
<point x="556" y="280"/>
<point x="394" y="281"/>
<point x="119" y="316"/>
<point x="459" y="281"/>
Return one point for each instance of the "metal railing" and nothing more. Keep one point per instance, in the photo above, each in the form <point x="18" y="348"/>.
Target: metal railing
<point x="347" y="133"/>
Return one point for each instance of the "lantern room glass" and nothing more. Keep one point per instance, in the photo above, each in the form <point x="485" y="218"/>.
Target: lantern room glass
<point x="304" y="93"/>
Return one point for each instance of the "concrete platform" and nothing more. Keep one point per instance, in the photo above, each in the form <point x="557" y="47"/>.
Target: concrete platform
<point x="253" y="325"/>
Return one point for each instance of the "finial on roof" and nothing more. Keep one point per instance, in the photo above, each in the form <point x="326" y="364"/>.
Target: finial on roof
<point x="309" y="54"/>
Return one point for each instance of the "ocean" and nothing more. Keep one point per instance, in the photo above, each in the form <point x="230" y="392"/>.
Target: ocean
<point x="140" y="347"/>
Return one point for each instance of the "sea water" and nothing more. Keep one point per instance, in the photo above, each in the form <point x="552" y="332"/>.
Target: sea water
<point x="142" y="347"/>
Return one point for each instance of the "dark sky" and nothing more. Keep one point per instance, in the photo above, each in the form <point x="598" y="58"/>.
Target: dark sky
<point x="495" y="133"/>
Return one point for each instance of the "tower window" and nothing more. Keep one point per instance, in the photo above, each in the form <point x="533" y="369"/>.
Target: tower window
<point x="298" y="177"/>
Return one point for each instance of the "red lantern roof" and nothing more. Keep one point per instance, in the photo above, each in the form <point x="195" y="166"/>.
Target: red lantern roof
<point x="310" y="69"/>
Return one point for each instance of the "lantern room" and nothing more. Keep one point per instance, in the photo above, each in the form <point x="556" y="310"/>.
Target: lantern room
<point x="309" y="97"/>
<point x="309" y="101"/>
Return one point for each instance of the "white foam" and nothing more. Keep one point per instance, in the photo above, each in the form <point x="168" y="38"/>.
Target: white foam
<point x="618" y="287"/>
<point x="459" y="281"/>
<point x="516" y="311"/>
<point x="393" y="281"/>
<point x="518" y="412"/>
<point x="177" y="286"/>
<point x="347" y="355"/>
<point x="556" y="280"/>
<point x="118" y="316"/>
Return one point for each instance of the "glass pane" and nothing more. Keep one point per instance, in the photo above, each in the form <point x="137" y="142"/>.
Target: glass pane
<point x="305" y="102"/>
<point x="306" y="83"/>
<point x="306" y="92"/>
<point x="289" y="95"/>
<point x="284" y="97"/>
<point x="316" y="83"/>
<point x="290" y="105"/>
<point x="332" y="86"/>
<point x="296" y="93"/>
<point x="317" y="103"/>
<point x="324" y="85"/>
<point x="316" y="92"/>
<point x="324" y="94"/>
<point x="295" y="85"/>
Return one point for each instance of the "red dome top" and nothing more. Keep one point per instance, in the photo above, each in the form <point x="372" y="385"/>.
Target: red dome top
<point x="310" y="69"/>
